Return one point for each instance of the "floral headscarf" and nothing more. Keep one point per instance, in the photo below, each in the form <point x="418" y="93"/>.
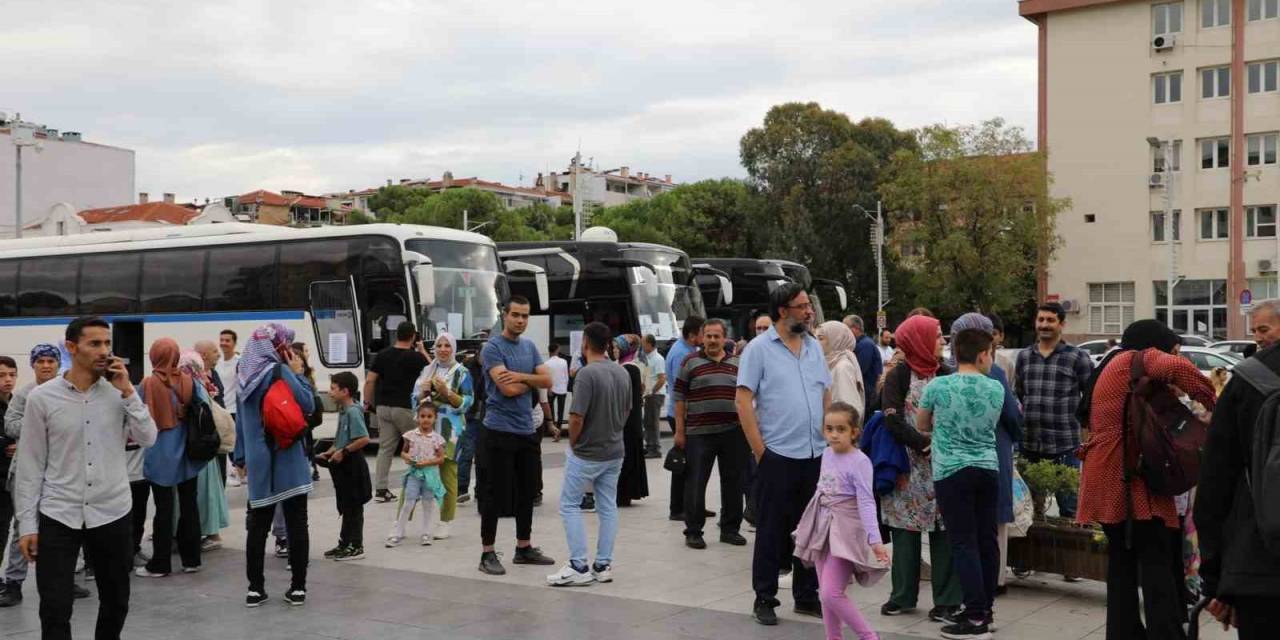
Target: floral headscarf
<point x="261" y="355"/>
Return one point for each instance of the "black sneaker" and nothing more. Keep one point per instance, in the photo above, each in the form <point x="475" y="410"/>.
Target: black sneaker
<point x="333" y="553"/>
<point x="676" y="517"/>
<point x="891" y="609"/>
<point x="10" y="594"/>
<point x="734" y="538"/>
<point x="296" y="597"/>
<point x="351" y="552"/>
<point x="763" y="612"/>
<point x="811" y="609"/>
<point x="490" y="564"/>
<point x="651" y="454"/>
<point x="78" y="592"/>
<point x="695" y="541"/>
<point x="254" y="599"/>
<point x="943" y="613"/>
<point x="537" y="500"/>
<point x="282" y="548"/>
<point x="588" y="503"/>
<point x="531" y="555"/>
<point x="967" y="630"/>
<point x="749" y="515"/>
<point x="384" y="496"/>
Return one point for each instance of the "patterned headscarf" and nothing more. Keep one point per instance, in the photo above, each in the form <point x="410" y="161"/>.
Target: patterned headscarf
<point x="45" y="350"/>
<point x="192" y="364"/>
<point x="260" y="356"/>
<point x="627" y="346"/>
<point x="973" y="320"/>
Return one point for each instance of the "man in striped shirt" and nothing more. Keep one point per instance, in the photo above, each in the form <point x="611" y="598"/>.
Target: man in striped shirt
<point x="707" y="429"/>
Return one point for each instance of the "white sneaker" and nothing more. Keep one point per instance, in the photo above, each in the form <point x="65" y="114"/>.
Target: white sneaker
<point x="142" y="572"/>
<point x="393" y="541"/>
<point x="784" y="581"/>
<point x="442" y="531"/>
<point x="570" y="577"/>
<point x="426" y="540"/>
<point x="602" y="575"/>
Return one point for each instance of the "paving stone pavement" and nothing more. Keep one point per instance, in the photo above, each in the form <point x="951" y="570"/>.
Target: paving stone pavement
<point x="663" y="590"/>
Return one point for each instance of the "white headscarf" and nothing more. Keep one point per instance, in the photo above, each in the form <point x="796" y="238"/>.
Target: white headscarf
<point x="438" y="365"/>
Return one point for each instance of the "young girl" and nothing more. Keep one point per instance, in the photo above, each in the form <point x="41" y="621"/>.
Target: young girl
<point x="838" y="532"/>
<point x="424" y="453"/>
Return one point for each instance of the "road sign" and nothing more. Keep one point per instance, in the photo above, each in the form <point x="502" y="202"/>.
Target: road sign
<point x="1246" y="297"/>
<point x="1246" y="309"/>
<point x="882" y="319"/>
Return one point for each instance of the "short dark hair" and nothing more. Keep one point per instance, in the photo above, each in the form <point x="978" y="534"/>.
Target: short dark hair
<point x="692" y="326"/>
<point x="782" y="297"/>
<point x="996" y="322"/>
<point x="405" y="331"/>
<point x="1054" y="308"/>
<point x="346" y="381"/>
<point x="650" y="340"/>
<point x="855" y="418"/>
<point x="920" y="311"/>
<point x="724" y="326"/>
<point x="228" y="332"/>
<point x="76" y="327"/>
<point x="969" y="344"/>
<point x="553" y="348"/>
<point x="516" y="299"/>
<point x="597" y="336"/>
<point x="6" y="361"/>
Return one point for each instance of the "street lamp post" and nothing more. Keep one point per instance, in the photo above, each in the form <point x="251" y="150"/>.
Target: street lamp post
<point x="877" y="238"/>
<point x="1166" y="149"/>
<point x="23" y="136"/>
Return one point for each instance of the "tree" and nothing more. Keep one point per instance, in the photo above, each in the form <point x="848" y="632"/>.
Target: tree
<point x="975" y="201"/>
<point x="811" y="166"/>
<point x="357" y="216"/>
<point x="395" y="200"/>
<point x="485" y="213"/>
<point x="708" y="218"/>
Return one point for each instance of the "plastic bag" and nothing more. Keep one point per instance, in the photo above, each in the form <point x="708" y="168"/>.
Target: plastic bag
<point x="1023" y="507"/>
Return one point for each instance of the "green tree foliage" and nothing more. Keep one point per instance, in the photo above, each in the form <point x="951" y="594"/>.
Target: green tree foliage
<point x="395" y="200"/>
<point x="811" y="166"/>
<point x="706" y="219"/>
<point x="975" y="199"/>
<point x="357" y="216"/>
<point x="486" y="214"/>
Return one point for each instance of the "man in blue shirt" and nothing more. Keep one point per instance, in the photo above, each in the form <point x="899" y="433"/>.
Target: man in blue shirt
<point x="508" y="455"/>
<point x="691" y="339"/>
<point x="869" y="359"/>
<point x="783" y="391"/>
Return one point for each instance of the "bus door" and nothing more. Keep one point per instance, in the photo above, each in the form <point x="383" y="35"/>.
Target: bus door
<point x="335" y="319"/>
<point x="127" y="343"/>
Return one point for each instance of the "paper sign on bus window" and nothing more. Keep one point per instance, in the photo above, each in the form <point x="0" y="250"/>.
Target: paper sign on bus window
<point x="575" y="343"/>
<point x="455" y="325"/>
<point x="338" y="348"/>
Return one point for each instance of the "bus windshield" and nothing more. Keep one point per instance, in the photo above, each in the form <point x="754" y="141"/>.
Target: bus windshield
<point x="664" y="294"/>
<point x="469" y="288"/>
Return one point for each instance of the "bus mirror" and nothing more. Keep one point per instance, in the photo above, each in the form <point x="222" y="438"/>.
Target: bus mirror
<point x="424" y="276"/>
<point x="844" y="297"/>
<point x="726" y="289"/>
<point x="539" y="280"/>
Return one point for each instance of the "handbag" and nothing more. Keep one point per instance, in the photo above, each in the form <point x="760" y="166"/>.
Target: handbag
<point x="226" y="426"/>
<point x="675" y="461"/>
<point x="282" y="419"/>
<point x="202" y="434"/>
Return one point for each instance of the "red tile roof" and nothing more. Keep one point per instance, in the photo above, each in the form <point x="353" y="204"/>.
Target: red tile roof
<point x="309" y="202"/>
<point x="262" y="196"/>
<point x="163" y="212"/>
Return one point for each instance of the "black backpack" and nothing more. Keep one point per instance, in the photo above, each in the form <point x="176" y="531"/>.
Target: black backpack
<point x="1263" y="472"/>
<point x="202" y="433"/>
<point x="1169" y="437"/>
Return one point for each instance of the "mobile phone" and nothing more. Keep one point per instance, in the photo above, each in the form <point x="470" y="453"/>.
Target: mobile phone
<point x="110" y="375"/>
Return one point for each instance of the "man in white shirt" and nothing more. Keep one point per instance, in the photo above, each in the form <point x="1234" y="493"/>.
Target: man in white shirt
<point x="72" y="486"/>
<point x="885" y="345"/>
<point x="226" y="369"/>
<point x="559" y="369"/>
<point x="655" y="387"/>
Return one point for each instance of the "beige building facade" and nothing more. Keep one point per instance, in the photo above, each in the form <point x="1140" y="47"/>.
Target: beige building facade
<point x="1202" y="74"/>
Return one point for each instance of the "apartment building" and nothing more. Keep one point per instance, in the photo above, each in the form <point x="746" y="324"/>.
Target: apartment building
<point x="1200" y="76"/>
<point x="607" y="188"/>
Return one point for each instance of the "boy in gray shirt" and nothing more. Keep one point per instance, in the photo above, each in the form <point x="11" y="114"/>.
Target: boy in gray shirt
<point x="601" y="403"/>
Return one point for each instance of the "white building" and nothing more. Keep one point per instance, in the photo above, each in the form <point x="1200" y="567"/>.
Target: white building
<point x="1203" y="74"/>
<point x="63" y="219"/>
<point x="62" y="168"/>
<point x="606" y="188"/>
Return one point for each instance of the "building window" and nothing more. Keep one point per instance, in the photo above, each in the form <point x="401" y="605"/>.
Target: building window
<point x="1215" y="82"/>
<point x="1260" y="222"/>
<point x="1213" y="223"/>
<point x="1262" y="9"/>
<point x="1199" y="307"/>
<point x="62" y="228"/>
<point x="1261" y="149"/>
<point x="1262" y="76"/>
<point x="1215" y="13"/>
<point x="1215" y="153"/>
<point x="1157" y="157"/>
<point x="1166" y="18"/>
<point x="1157" y="226"/>
<point x="1110" y="307"/>
<point x="1168" y="87"/>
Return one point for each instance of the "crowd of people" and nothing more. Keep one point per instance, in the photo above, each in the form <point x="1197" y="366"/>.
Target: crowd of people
<point x="843" y="451"/>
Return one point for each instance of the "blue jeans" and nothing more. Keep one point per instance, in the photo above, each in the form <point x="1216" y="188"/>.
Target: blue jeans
<point x="466" y="451"/>
<point x="580" y="474"/>
<point x="1066" y="499"/>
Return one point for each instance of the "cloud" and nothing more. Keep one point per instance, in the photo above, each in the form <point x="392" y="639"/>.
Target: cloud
<point x="224" y="97"/>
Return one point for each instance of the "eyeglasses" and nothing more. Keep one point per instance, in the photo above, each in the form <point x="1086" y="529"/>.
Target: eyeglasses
<point x="806" y="305"/>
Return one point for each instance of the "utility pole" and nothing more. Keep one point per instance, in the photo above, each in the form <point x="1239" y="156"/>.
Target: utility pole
<point x="1165" y="148"/>
<point x="23" y="135"/>
<point x="877" y="242"/>
<point x="577" y="198"/>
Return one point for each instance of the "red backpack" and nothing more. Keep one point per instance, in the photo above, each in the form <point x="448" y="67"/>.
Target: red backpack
<point x="282" y="418"/>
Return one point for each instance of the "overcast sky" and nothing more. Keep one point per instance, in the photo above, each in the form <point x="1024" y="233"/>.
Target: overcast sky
<point x="220" y="98"/>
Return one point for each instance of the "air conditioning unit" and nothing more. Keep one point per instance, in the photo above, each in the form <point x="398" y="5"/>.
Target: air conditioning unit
<point x="1070" y="306"/>
<point x="1157" y="180"/>
<point x="1265" y="266"/>
<point x="1163" y="42"/>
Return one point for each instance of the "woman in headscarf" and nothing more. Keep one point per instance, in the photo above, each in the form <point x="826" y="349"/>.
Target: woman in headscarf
<point x="446" y="384"/>
<point x="211" y="496"/>
<point x="1008" y="431"/>
<point x="274" y="475"/>
<point x="633" y="482"/>
<point x="167" y="392"/>
<point x="912" y="508"/>
<point x="846" y="376"/>
<point x="1143" y="558"/>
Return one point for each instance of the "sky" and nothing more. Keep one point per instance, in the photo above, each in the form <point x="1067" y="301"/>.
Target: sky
<point x="222" y="97"/>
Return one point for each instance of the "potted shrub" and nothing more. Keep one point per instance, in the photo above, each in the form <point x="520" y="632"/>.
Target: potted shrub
<point x="1045" y="478"/>
<point x="1057" y="545"/>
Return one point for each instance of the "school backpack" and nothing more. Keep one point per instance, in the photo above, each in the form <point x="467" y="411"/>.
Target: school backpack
<point x="202" y="432"/>
<point x="1169" y="437"/>
<point x="1263" y="473"/>
<point x="282" y="418"/>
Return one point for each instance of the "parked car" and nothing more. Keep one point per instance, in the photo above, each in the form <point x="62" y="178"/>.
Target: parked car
<point x="1236" y="347"/>
<point x="1189" y="340"/>
<point x="1206" y="360"/>
<point x="1097" y="349"/>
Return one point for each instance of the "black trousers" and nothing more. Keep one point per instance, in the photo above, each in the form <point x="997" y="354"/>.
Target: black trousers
<point x="508" y="476"/>
<point x="107" y="551"/>
<point x="967" y="500"/>
<point x="783" y="489"/>
<point x="557" y="406"/>
<point x="1258" y="617"/>
<point x="141" y="490"/>
<point x="6" y="515"/>
<point x="162" y="537"/>
<point x="259" y="524"/>
<point x="1145" y="564"/>
<point x="701" y="452"/>
<point x="676" y="501"/>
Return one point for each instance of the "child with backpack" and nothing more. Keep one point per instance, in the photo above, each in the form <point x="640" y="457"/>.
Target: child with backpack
<point x="838" y="533"/>
<point x="424" y="453"/>
<point x="347" y="466"/>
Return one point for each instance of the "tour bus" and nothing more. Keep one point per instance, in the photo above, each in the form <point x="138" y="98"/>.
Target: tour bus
<point x="817" y="288"/>
<point x="633" y="287"/>
<point x="343" y="290"/>
<point x="752" y="280"/>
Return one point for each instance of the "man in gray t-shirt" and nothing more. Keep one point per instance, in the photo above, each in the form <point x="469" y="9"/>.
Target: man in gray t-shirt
<point x="601" y="403"/>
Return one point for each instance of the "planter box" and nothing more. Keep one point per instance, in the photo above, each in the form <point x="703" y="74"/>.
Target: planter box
<point x="1059" y="547"/>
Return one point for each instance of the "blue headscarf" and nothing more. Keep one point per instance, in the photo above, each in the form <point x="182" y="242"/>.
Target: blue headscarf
<point x="45" y="350"/>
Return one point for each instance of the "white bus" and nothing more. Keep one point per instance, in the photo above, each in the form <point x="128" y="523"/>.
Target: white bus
<point x="341" y="289"/>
